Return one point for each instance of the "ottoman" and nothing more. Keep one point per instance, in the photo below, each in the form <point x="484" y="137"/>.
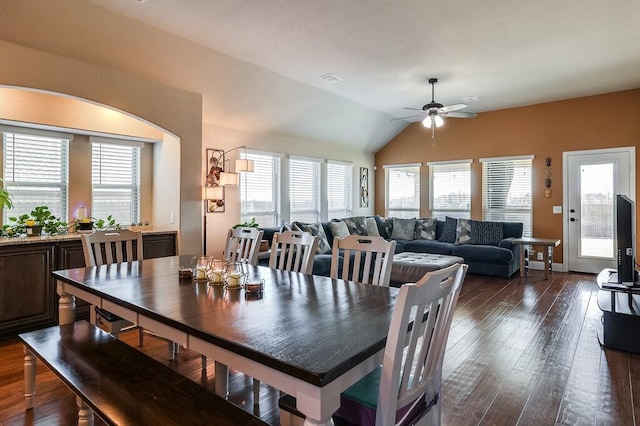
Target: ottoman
<point x="409" y="267"/>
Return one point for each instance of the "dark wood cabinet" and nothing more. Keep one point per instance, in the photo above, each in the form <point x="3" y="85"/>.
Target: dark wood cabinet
<point x="28" y="298"/>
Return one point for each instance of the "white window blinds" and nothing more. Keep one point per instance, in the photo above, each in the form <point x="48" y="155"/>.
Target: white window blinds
<point x="304" y="190"/>
<point x="115" y="182"/>
<point x="340" y="189"/>
<point x="260" y="190"/>
<point x="402" y="191"/>
<point x="450" y="193"/>
<point x="507" y="191"/>
<point x="35" y="172"/>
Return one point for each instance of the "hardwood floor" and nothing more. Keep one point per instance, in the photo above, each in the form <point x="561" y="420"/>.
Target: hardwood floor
<point x="520" y="352"/>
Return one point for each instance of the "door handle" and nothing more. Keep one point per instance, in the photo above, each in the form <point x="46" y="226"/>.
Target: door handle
<point x="573" y="219"/>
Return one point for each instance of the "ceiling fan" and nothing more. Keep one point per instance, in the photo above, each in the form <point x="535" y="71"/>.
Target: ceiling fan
<point x="435" y="111"/>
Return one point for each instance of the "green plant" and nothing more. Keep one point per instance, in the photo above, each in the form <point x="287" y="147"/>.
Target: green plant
<point x="5" y="198"/>
<point x="106" y="224"/>
<point x="40" y="216"/>
<point x="251" y="224"/>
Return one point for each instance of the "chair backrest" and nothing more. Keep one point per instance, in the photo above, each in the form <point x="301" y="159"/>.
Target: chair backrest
<point x="243" y="245"/>
<point x="293" y="251"/>
<point x="363" y="259"/>
<point x="412" y="366"/>
<point x="107" y="247"/>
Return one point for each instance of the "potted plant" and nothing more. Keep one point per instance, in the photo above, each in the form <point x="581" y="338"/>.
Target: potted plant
<point x="251" y="224"/>
<point x="5" y="198"/>
<point x="88" y="224"/>
<point x="39" y="220"/>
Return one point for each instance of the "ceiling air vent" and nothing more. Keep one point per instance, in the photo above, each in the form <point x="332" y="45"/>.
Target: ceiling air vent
<point x="331" y="78"/>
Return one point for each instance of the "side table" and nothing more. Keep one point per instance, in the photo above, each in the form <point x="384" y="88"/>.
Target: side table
<point x="547" y="254"/>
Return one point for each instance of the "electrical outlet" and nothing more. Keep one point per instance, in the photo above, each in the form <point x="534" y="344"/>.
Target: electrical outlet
<point x="539" y="256"/>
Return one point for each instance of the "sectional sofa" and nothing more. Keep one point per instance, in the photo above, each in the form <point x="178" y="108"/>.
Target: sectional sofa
<point x="487" y="247"/>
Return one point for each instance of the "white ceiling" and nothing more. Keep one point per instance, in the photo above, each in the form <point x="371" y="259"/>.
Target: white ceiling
<point x="509" y="53"/>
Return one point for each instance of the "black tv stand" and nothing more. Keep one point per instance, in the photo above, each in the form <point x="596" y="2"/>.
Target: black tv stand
<point x="620" y="306"/>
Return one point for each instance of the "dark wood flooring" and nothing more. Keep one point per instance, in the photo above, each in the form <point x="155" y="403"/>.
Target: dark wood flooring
<point x="520" y="352"/>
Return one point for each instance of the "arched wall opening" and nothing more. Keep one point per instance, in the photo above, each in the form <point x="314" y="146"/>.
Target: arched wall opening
<point x="176" y="115"/>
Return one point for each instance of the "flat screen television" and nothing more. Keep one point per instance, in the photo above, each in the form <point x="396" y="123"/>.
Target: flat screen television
<point x="626" y="237"/>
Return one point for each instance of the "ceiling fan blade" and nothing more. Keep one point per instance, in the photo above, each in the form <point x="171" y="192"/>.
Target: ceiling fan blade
<point x="454" y="107"/>
<point x="404" y="118"/>
<point x="460" y="114"/>
<point x="413" y="109"/>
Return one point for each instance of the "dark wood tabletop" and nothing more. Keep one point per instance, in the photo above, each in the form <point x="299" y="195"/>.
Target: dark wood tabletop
<point x="310" y="327"/>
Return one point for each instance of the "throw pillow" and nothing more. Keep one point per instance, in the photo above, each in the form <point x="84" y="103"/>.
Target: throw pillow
<point x="425" y="229"/>
<point x="449" y="230"/>
<point x="372" y="226"/>
<point x="463" y="231"/>
<point x="403" y="229"/>
<point x="356" y="225"/>
<point x="486" y="233"/>
<point x="317" y="230"/>
<point x="339" y="229"/>
<point x="388" y="227"/>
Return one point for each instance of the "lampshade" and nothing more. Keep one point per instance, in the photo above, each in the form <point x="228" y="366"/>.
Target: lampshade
<point x="229" y="179"/>
<point x="244" y="165"/>
<point x="432" y="119"/>
<point x="213" y="193"/>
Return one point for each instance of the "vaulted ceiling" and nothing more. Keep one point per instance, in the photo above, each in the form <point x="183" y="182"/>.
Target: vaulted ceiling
<point x="257" y="63"/>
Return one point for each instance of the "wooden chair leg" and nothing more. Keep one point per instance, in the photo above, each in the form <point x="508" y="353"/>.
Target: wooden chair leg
<point x="256" y="391"/>
<point x="203" y="359"/>
<point x="140" y="337"/>
<point x="85" y="414"/>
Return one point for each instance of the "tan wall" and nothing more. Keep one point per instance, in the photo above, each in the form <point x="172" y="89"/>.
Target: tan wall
<point x="176" y="111"/>
<point x="544" y="130"/>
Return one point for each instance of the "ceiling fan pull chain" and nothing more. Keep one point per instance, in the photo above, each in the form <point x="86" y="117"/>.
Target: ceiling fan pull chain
<point x="433" y="135"/>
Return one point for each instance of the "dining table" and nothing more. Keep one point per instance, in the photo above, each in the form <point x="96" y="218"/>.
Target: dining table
<point x="308" y="336"/>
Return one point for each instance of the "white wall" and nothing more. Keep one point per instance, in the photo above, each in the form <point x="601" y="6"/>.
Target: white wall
<point x="223" y="138"/>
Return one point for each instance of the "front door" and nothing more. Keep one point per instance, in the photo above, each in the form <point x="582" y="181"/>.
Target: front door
<point x="592" y="180"/>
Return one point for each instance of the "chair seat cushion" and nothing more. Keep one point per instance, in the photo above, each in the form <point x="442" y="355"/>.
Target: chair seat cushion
<point x="359" y="402"/>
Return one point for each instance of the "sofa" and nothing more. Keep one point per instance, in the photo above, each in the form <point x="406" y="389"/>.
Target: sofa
<point x="487" y="247"/>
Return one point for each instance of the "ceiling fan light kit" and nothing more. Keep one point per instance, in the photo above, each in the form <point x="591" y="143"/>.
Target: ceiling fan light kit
<point x="435" y="112"/>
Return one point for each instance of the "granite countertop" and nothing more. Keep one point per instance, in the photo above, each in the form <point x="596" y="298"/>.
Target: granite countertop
<point x="8" y="241"/>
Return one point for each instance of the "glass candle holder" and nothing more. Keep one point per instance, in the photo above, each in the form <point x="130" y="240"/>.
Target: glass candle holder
<point x="201" y="267"/>
<point x="235" y="275"/>
<point x="218" y="269"/>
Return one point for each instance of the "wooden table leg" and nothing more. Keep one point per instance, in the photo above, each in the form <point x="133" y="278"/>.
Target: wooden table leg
<point x="66" y="307"/>
<point x="523" y="250"/>
<point x="545" y="258"/>
<point x="29" y="377"/>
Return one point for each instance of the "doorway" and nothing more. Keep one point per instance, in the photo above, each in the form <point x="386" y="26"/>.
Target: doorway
<point x="591" y="181"/>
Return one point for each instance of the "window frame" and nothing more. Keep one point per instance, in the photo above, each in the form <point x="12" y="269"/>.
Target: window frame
<point x="100" y="212"/>
<point x="512" y="213"/>
<point x="347" y="184"/>
<point x="313" y="215"/>
<point x="464" y="166"/>
<point x="413" y="211"/>
<point x="276" y="177"/>
<point x="13" y="184"/>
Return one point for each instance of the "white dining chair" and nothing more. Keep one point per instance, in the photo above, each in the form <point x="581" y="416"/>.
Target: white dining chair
<point x="293" y="251"/>
<point x="405" y="390"/>
<point x="362" y="259"/>
<point x="106" y="248"/>
<point x="243" y="245"/>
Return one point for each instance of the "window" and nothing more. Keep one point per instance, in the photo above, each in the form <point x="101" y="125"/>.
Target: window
<point x="260" y="190"/>
<point x="35" y="166"/>
<point x="403" y="190"/>
<point x="506" y="190"/>
<point x="450" y="193"/>
<point x="115" y="181"/>
<point x="340" y="189"/>
<point x="304" y="190"/>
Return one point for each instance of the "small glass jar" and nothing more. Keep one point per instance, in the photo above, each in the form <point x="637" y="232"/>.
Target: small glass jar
<point x="201" y="267"/>
<point x="235" y="275"/>
<point x="218" y="269"/>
